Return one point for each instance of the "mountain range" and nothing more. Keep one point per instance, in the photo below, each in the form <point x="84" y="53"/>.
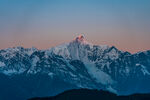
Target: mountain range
<point x="29" y="72"/>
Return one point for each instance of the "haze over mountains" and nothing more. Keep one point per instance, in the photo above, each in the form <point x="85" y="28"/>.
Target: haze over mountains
<point x="29" y="72"/>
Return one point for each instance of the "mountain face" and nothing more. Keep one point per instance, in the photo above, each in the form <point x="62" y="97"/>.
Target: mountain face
<point x="29" y="72"/>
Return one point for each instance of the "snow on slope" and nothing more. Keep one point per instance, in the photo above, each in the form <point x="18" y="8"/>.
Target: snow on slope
<point x="143" y="69"/>
<point x="2" y="64"/>
<point x="100" y="76"/>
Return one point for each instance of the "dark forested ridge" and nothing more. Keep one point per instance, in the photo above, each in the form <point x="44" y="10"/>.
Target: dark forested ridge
<point x="86" y="94"/>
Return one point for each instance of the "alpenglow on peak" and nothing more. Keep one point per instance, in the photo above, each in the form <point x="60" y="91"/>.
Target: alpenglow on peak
<point x="80" y="39"/>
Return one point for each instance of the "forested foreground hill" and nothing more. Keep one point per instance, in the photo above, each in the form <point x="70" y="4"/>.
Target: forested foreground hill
<point x="86" y="94"/>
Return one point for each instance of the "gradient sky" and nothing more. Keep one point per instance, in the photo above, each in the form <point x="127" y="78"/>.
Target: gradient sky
<point x="46" y="23"/>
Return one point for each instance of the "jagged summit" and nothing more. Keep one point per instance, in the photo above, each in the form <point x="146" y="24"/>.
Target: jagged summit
<point x="80" y="39"/>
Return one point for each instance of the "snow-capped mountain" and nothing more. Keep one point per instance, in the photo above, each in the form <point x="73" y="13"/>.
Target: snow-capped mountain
<point x="77" y="64"/>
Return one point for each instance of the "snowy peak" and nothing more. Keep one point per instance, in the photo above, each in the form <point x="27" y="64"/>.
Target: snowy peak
<point x="80" y="49"/>
<point x="80" y="39"/>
